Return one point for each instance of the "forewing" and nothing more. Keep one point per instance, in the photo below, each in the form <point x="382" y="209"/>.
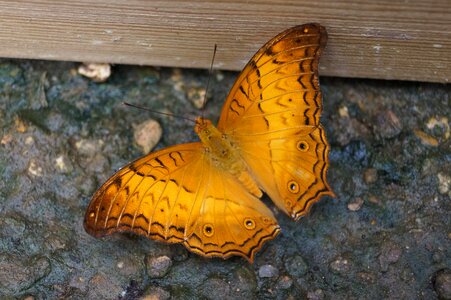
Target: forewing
<point x="280" y="82"/>
<point x="178" y="195"/>
<point x="274" y="109"/>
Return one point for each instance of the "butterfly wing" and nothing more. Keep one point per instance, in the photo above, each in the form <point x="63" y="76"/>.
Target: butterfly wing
<point x="177" y="195"/>
<point x="272" y="113"/>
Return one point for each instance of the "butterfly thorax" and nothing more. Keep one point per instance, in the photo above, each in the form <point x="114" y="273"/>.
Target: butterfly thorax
<point x="224" y="154"/>
<point x="217" y="143"/>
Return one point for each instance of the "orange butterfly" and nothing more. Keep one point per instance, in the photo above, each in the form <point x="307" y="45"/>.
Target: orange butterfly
<point x="206" y="194"/>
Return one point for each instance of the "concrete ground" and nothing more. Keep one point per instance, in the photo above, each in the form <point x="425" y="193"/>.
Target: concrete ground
<point x="387" y="234"/>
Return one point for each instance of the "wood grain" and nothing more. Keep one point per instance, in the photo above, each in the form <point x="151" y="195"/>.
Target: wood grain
<point x="406" y="40"/>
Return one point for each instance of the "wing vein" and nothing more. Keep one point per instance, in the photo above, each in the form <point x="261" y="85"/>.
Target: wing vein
<point x="201" y="176"/>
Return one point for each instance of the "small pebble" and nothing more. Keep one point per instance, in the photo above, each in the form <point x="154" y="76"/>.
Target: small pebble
<point x="442" y="283"/>
<point x="444" y="183"/>
<point x="340" y="265"/>
<point x="197" y="96"/>
<point x="147" y="135"/>
<point x="355" y="204"/>
<point x="367" y="277"/>
<point x="177" y="78"/>
<point x="54" y="242"/>
<point x="370" y="175"/>
<point x="390" y="254"/>
<point x="34" y="168"/>
<point x="316" y="295"/>
<point x="350" y="129"/>
<point x="343" y="112"/>
<point x="20" y="125"/>
<point x="29" y="140"/>
<point x="268" y="271"/>
<point x="98" y="72"/>
<point x="296" y="266"/>
<point x="284" y="283"/>
<point x="441" y="122"/>
<point x="158" y="267"/>
<point x="374" y="200"/>
<point x="39" y="98"/>
<point x="388" y="124"/>
<point x="156" y="293"/>
<point x="89" y="147"/>
<point x="63" y="164"/>
<point x="425" y="138"/>
<point x="6" y="139"/>
<point x="219" y="76"/>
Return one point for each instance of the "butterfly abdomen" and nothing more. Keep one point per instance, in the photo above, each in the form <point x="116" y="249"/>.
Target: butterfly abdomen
<point x="249" y="183"/>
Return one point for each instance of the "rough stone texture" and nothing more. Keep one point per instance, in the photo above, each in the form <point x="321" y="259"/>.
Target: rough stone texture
<point x="19" y="273"/>
<point x="156" y="293"/>
<point x="442" y="283"/>
<point x="268" y="271"/>
<point x="215" y="288"/>
<point x="63" y="135"/>
<point x="296" y="266"/>
<point x="159" y="266"/>
<point x="147" y="135"/>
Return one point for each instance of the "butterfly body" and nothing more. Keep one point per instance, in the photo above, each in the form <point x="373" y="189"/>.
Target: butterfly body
<point x="205" y="195"/>
<point x="224" y="154"/>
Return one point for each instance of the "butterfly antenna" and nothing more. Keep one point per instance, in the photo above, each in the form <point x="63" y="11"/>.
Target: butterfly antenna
<point x="208" y="80"/>
<point x="159" y="112"/>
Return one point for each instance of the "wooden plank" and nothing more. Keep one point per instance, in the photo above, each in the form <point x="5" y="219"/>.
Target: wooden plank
<point x="407" y="40"/>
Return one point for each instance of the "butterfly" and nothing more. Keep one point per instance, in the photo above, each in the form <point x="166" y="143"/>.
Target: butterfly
<point x="205" y="195"/>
